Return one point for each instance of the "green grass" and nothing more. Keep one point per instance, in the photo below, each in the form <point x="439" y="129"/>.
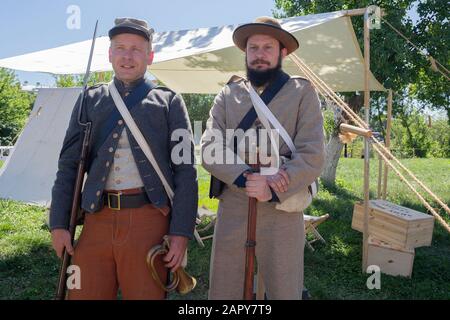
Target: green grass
<point x="28" y="267"/>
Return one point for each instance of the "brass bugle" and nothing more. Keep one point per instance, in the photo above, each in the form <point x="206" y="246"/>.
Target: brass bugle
<point x="182" y="282"/>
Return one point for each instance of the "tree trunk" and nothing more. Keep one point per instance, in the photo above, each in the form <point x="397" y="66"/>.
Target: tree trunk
<point x="334" y="146"/>
<point x="333" y="152"/>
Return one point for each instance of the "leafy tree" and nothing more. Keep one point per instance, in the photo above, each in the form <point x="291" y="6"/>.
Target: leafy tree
<point x="198" y="106"/>
<point x="15" y="106"/>
<point x="439" y="136"/>
<point x="394" y="62"/>
<point x="77" y="80"/>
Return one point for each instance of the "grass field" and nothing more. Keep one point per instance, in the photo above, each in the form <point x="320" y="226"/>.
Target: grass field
<point x="28" y="267"/>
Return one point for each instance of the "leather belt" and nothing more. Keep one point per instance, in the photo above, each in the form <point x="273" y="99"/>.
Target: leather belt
<point x="117" y="200"/>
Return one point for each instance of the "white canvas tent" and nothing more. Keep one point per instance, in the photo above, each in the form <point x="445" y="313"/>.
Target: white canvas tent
<point x="29" y="172"/>
<point x="202" y="60"/>
<point x="190" y="61"/>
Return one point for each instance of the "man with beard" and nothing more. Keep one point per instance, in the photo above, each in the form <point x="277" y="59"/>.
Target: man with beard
<point x="279" y="235"/>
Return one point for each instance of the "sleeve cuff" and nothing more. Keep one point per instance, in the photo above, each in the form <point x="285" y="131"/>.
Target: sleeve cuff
<point x="190" y="236"/>
<point x="241" y="180"/>
<point x="274" y="197"/>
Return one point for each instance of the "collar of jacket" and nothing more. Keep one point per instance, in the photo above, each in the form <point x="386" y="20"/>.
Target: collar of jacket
<point x="126" y="89"/>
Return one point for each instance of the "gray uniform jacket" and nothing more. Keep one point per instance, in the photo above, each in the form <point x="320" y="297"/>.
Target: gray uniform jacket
<point x="157" y="116"/>
<point x="297" y="108"/>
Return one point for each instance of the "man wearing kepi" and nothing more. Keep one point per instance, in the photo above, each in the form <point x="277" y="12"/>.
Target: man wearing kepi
<point x="127" y="208"/>
<point x="279" y="232"/>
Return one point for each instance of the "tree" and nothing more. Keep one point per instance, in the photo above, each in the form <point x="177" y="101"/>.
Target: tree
<point x="15" y="106"/>
<point x="393" y="61"/>
<point x="69" y="80"/>
<point x="198" y="106"/>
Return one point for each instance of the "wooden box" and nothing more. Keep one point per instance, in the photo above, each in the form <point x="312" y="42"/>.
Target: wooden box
<point x="391" y="260"/>
<point x="395" y="224"/>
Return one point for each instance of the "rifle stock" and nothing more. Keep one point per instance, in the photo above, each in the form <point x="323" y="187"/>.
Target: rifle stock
<point x="250" y="245"/>
<point x="61" y="291"/>
<point x="62" y="279"/>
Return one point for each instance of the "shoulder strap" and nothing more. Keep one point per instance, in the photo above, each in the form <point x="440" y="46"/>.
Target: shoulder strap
<point x="268" y="94"/>
<point x="136" y="96"/>
<point x="266" y="116"/>
<point x="125" y="113"/>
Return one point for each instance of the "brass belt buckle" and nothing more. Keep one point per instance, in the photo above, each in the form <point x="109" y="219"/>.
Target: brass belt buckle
<point x="118" y="200"/>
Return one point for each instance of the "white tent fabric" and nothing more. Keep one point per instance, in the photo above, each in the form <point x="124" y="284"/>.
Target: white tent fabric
<point x="30" y="171"/>
<point x="202" y="60"/>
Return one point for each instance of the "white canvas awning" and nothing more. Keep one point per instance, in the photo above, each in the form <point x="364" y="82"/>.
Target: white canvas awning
<point x="202" y="60"/>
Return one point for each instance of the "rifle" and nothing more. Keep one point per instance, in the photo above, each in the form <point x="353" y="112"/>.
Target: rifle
<point x="61" y="291"/>
<point x="250" y="244"/>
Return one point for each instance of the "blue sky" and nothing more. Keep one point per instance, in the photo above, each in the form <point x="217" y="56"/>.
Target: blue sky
<point x="27" y="26"/>
<point x="32" y="25"/>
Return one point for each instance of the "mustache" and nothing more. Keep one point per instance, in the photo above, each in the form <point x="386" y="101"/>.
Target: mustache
<point x="259" y="61"/>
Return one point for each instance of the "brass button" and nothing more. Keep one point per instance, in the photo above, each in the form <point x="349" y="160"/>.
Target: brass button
<point x="98" y="193"/>
<point x="115" y="135"/>
<point x="104" y="178"/>
<point x="93" y="206"/>
<point x="120" y="122"/>
<point x="111" y="149"/>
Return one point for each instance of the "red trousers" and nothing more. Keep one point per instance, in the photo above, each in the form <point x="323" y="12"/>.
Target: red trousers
<point x="111" y="254"/>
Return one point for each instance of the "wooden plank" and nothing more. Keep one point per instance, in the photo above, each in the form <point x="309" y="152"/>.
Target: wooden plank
<point x="382" y="215"/>
<point x="356" y="130"/>
<point x="390" y="261"/>
<point x="398" y="211"/>
<point x="415" y="230"/>
<point x="403" y="216"/>
<point x="396" y="234"/>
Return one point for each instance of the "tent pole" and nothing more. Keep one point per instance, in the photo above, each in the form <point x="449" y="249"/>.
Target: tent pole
<point x="360" y="12"/>
<point x="388" y="140"/>
<point x="366" y="140"/>
<point x="380" y="174"/>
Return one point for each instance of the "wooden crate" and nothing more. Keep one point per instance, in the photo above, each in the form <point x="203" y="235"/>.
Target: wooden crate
<point x="391" y="259"/>
<point x="395" y="224"/>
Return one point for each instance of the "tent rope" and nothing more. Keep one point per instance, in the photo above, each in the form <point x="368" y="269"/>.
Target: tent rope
<point x="433" y="62"/>
<point x="326" y="91"/>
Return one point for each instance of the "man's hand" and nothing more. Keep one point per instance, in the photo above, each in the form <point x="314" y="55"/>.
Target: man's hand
<point x="279" y="182"/>
<point x="257" y="187"/>
<point x="61" y="240"/>
<point x="175" y="256"/>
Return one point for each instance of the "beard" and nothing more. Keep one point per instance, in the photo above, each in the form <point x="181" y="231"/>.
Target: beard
<point x="260" y="78"/>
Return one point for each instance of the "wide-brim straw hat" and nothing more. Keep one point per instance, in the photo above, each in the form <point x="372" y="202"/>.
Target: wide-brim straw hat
<point x="268" y="26"/>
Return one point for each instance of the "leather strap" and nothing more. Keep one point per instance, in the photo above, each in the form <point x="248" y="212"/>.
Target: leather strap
<point x="139" y="138"/>
<point x="131" y="100"/>
<point x="117" y="201"/>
